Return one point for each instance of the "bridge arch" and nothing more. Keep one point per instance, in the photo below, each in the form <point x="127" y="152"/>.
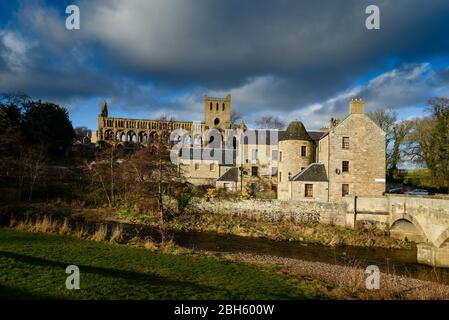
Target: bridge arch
<point x="407" y="228"/>
<point x="443" y="239"/>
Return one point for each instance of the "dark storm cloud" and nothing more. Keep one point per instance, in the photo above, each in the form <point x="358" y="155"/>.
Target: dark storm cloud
<point x="318" y="46"/>
<point x="443" y="76"/>
<point x="273" y="56"/>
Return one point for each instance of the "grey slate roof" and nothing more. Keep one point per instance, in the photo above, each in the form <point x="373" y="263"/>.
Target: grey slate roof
<point x="295" y="131"/>
<point x="313" y="172"/>
<point x="230" y="175"/>
<point x="316" y="135"/>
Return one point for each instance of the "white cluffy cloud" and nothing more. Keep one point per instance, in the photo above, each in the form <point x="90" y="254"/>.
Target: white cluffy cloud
<point x="405" y="88"/>
<point x="14" y="50"/>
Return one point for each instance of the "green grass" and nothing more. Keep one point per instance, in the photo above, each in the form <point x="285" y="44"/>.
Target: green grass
<point x="422" y="178"/>
<point x="32" y="266"/>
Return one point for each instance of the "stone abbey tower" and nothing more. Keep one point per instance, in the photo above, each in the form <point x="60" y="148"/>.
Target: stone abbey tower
<point x="217" y="112"/>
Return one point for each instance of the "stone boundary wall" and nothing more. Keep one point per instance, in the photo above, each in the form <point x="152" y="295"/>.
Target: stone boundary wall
<point x="382" y="210"/>
<point x="275" y="210"/>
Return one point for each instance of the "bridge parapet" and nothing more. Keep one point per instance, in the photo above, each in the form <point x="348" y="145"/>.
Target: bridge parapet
<point x="424" y="220"/>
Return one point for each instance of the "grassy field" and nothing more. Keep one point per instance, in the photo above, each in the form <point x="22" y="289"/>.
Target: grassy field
<point x="422" y="178"/>
<point x="32" y="266"/>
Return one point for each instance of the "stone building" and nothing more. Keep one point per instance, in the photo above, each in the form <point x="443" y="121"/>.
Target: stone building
<point x="347" y="158"/>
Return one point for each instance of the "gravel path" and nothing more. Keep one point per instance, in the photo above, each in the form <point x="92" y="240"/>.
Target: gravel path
<point x="346" y="281"/>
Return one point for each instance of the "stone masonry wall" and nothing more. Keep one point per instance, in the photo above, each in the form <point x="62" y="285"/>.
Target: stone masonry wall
<point x="275" y="210"/>
<point x="366" y="156"/>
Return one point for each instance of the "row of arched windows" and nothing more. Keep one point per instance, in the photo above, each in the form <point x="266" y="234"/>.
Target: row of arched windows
<point x="217" y="106"/>
<point x="130" y="124"/>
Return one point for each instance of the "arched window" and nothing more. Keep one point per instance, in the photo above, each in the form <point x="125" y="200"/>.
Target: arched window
<point x="217" y="106"/>
<point x="211" y="106"/>
<point x="216" y="121"/>
<point x="223" y="107"/>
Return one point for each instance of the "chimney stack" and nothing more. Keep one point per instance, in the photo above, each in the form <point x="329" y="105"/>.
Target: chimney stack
<point x="356" y="106"/>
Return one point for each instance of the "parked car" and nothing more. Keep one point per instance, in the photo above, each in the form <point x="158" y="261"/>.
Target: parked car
<point x="418" y="192"/>
<point x="396" y="191"/>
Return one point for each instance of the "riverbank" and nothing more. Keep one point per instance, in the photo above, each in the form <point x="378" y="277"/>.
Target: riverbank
<point x="310" y="232"/>
<point x="221" y="223"/>
<point x="284" y="230"/>
<point x="27" y="257"/>
<point x="345" y="282"/>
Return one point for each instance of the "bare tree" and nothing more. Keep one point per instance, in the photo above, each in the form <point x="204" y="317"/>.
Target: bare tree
<point x="396" y="155"/>
<point x="104" y="173"/>
<point x="146" y="173"/>
<point x="385" y="119"/>
<point x="235" y="116"/>
<point x="157" y="176"/>
<point x="395" y="135"/>
<point x="270" y="122"/>
<point x="421" y="146"/>
<point x="9" y="142"/>
<point x="34" y="160"/>
<point x="14" y="98"/>
<point x="429" y="141"/>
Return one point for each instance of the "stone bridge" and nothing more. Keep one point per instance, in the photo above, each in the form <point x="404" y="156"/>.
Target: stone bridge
<point x="421" y="219"/>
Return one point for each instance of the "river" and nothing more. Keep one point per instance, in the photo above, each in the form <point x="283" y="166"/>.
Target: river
<point x="393" y="261"/>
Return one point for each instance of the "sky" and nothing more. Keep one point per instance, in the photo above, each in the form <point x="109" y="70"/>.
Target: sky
<point x="298" y="60"/>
